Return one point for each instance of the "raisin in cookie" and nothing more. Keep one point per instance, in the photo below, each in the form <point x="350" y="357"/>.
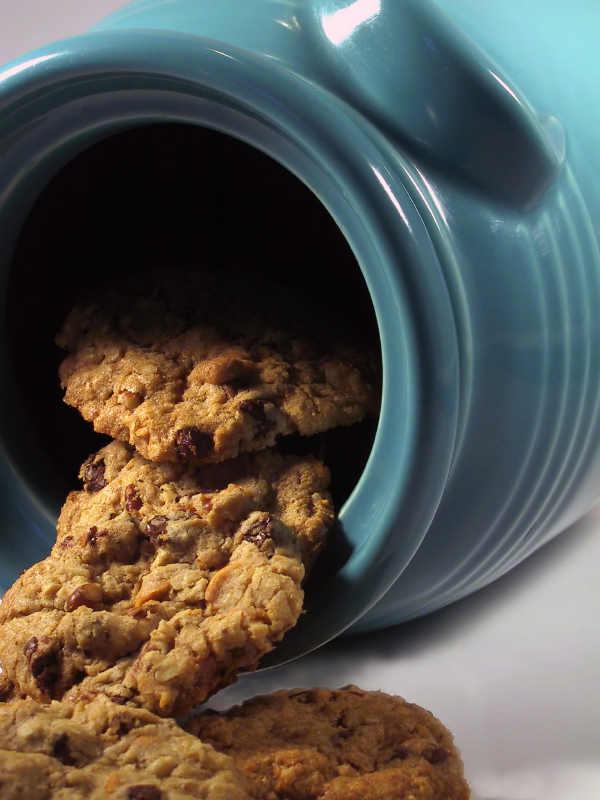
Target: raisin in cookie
<point x="337" y="744"/>
<point x="201" y="380"/>
<point x="165" y="580"/>
<point x="97" y="749"/>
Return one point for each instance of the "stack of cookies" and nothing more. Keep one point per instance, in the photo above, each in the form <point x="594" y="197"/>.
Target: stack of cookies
<point x="182" y="560"/>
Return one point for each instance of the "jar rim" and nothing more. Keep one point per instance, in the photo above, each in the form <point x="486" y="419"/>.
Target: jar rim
<point x="94" y="85"/>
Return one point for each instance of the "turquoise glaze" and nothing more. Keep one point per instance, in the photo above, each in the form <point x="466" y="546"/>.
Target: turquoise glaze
<point x="456" y="146"/>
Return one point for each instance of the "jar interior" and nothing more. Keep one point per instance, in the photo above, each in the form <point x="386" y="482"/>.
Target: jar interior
<point x="153" y="198"/>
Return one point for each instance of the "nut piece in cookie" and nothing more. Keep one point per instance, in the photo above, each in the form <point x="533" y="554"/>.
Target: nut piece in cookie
<point x="201" y="384"/>
<point x="337" y="744"/>
<point x="166" y="580"/>
<point x="97" y="749"/>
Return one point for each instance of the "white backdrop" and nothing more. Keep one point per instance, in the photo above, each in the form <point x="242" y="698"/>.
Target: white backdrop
<point x="513" y="670"/>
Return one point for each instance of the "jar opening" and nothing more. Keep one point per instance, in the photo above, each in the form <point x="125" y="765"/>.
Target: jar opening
<point x="129" y="81"/>
<point x="153" y="198"/>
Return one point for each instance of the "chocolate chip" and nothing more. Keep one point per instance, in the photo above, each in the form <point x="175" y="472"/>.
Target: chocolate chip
<point x="45" y="668"/>
<point x="91" y="535"/>
<point x="133" y="502"/>
<point x="193" y="443"/>
<point x="120" y="701"/>
<point x="144" y="792"/>
<point x="156" y="526"/>
<point x="93" y="475"/>
<point x="30" y="647"/>
<point x="41" y="663"/>
<point x="62" y="751"/>
<point x="259" y="531"/>
<point x="436" y="755"/>
<point x="94" y="534"/>
<point x="256" y="410"/>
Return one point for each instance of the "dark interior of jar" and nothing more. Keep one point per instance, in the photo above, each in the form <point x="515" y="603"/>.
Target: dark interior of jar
<point x="155" y="198"/>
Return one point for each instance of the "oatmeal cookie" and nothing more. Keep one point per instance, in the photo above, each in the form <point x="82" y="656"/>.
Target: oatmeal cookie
<point x="201" y="380"/>
<point x="337" y="744"/>
<point x="165" y="580"/>
<point x="97" y="749"/>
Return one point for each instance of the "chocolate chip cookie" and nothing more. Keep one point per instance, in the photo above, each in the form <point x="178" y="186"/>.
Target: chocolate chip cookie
<point x="96" y="749"/>
<point x="337" y="744"/>
<point x="187" y="373"/>
<point x="165" y="580"/>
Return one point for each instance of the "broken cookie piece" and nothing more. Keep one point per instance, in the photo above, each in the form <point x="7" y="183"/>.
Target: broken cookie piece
<point x="165" y="580"/>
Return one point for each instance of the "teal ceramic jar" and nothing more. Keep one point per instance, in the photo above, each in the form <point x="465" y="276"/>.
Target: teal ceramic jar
<point x="454" y="149"/>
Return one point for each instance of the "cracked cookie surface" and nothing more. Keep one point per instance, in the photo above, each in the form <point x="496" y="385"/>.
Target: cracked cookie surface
<point x="165" y="580"/>
<point x="337" y="744"/>
<point x="97" y="749"/>
<point x="187" y="373"/>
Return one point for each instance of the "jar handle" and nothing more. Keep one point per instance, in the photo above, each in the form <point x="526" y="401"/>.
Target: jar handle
<point x="409" y="69"/>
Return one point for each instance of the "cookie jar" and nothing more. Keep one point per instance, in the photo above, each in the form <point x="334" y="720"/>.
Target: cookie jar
<point x="454" y="148"/>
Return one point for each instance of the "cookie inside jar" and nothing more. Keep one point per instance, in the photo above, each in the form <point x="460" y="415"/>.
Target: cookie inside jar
<point x="152" y="200"/>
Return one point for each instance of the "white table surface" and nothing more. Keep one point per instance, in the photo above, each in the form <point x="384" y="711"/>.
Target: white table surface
<point x="513" y="670"/>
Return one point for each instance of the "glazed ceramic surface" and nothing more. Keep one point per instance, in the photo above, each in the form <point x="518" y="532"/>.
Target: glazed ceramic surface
<point x="456" y="147"/>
